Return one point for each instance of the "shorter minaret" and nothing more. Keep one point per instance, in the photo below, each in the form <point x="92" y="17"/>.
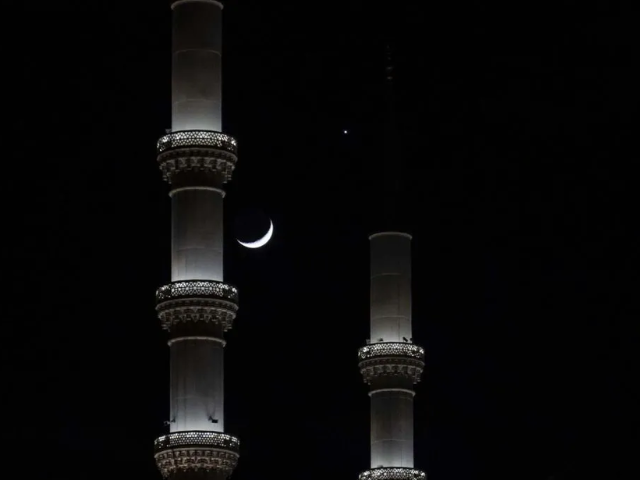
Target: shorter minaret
<point x="390" y="362"/>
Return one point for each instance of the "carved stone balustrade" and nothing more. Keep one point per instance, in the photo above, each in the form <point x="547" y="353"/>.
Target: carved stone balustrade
<point x="392" y="473"/>
<point x="197" y="150"/>
<point x="196" y="450"/>
<point x="197" y="300"/>
<point x="391" y="359"/>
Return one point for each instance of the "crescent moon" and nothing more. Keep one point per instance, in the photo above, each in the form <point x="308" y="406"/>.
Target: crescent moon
<point x="261" y="241"/>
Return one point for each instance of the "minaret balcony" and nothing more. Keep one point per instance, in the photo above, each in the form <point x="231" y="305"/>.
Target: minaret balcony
<point x="392" y="473"/>
<point x="196" y="450"/>
<point x="197" y="150"/>
<point x="391" y="359"/>
<point x="197" y="300"/>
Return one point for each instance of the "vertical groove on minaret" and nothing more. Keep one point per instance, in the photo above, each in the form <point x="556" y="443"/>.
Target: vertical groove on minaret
<point x="197" y="307"/>
<point x="390" y="362"/>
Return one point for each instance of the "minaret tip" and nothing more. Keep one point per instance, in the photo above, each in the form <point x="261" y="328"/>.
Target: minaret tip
<point x="389" y="63"/>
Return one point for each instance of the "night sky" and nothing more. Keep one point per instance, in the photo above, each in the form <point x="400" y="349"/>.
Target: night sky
<point x="517" y="144"/>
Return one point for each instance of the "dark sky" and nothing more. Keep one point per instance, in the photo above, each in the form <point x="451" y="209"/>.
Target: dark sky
<point x="518" y="145"/>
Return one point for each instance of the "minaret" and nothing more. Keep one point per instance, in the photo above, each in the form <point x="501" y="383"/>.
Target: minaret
<point x="390" y="362"/>
<point x="197" y="307"/>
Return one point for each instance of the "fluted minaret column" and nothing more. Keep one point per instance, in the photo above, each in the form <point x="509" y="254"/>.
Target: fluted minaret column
<point x="197" y="307"/>
<point x="391" y="396"/>
<point x="390" y="362"/>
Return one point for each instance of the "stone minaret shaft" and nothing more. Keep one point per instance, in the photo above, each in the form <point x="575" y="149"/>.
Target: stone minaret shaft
<point x="197" y="307"/>
<point x="390" y="362"/>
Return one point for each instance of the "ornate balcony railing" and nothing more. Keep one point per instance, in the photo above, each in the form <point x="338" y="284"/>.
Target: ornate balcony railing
<point x="198" y="451"/>
<point x="197" y="138"/>
<point x="392" y="473"/>
<point x="197" y="438"/>
<point x="391" y="349"/>
<point x="197" y="289"/>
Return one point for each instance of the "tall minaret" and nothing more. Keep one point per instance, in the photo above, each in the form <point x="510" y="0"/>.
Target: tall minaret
<point x="390" y="362"/>
<point x="197" y="307"/>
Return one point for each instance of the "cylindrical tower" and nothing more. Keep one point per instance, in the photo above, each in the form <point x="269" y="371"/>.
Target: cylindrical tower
<point x="197" y="307"/>
<point x="390" y="362"/>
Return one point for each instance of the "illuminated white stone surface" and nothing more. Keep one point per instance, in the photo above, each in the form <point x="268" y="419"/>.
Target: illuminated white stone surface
<point x="197" y="66"/>
<point x="390" y="287"/>
<point x="197" y="235"/>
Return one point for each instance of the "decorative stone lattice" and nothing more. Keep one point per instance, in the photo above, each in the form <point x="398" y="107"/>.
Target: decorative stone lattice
<point x="391" y="359"/>
<point x="203" y="150"/>
<point x="199" y="438"/>
<point x="197" y="289"/>
<point x="198" y="138"/>
<point x="392" y="473"/>
<point x="196" y="450"/>
<point x="197" y="301"/>
<point x="386" y="349"/>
